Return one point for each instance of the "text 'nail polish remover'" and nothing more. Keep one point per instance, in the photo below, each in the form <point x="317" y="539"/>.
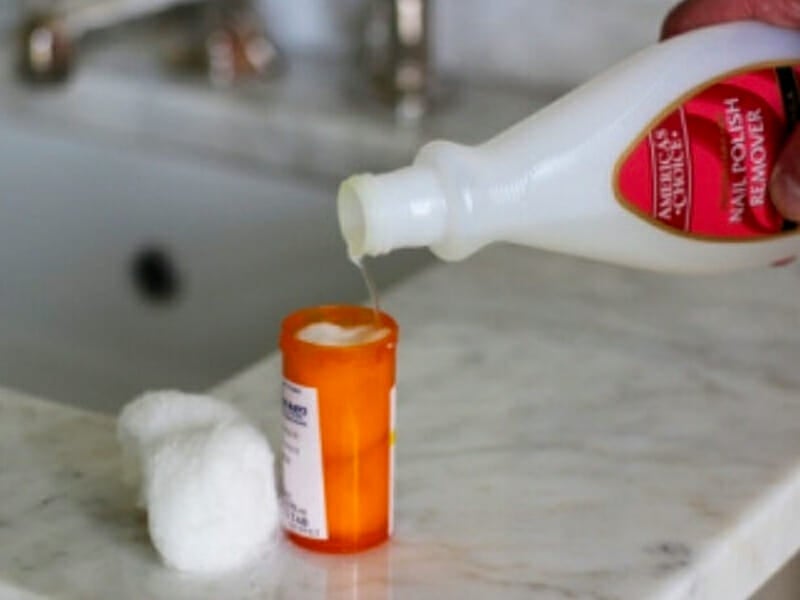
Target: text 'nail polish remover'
<point x="662" y="163"/>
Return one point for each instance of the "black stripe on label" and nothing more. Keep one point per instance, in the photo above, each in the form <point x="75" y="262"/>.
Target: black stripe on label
<point x="790" y="94"/>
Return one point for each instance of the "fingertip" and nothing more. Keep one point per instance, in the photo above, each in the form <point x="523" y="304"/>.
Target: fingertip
<point x="785" y="189"/>
<point x="694" y="14"/>
<point x="671" y="25"/>
<point x="684" y="17"/>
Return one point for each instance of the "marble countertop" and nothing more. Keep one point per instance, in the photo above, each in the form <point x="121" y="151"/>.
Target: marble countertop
<point x="565" y="431"/>
<point x="315" y="120"/>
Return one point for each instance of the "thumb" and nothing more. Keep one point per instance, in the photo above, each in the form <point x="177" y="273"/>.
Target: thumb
<point x="691" y="14"/>
<point x="785" y="184"/>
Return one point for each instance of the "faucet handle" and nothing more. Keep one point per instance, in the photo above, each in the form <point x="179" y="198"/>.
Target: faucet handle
<point x="229" y="45"/>
<point x="237" y="45"/>
<point x="45" y="50"/>
<point x="396" y="54"/>
<point x="233" y="44"/>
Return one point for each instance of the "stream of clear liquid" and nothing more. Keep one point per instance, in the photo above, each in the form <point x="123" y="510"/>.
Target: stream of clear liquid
<point x="372" y="289"/>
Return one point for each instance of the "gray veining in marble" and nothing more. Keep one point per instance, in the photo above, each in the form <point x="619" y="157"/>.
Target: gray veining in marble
<point x="566" y="430"/>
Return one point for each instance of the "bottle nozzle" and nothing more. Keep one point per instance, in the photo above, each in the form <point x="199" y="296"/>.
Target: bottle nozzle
<point x="351" y="219"/>
<point x="405" y="208"/>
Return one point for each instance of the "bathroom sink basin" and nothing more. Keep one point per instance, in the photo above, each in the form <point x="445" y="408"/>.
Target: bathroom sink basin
<point x="153" y="230"/>
<point x="123" y="269"/>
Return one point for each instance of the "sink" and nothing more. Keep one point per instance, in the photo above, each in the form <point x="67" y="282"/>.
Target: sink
<point x="125" y="268"/>
<point x="153" y="230"/>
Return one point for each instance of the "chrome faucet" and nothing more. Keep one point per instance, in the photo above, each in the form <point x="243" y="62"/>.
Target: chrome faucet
<point x="396" y="54"/>
<point x="233" y="45"/>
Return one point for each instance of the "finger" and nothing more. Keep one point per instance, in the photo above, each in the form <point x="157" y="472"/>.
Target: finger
<point x="692" y="14"/>
<point x="785" y="184"/>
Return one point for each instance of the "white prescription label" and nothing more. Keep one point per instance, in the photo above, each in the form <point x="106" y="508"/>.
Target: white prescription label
<point x="303" y="479"/>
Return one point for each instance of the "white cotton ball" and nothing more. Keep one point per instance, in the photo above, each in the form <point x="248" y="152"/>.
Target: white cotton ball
<point x="206" y="478"/>
<point x="211" y="498"/>
<point x="154" y="415"/>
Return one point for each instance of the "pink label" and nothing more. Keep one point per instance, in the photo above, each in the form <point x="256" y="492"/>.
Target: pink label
<point x="703" y="169"/>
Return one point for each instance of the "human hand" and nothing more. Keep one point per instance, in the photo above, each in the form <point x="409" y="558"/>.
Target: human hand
<point x="692" y="14"/>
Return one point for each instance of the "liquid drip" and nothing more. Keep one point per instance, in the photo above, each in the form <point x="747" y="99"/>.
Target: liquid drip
<point x="371" y="287"/>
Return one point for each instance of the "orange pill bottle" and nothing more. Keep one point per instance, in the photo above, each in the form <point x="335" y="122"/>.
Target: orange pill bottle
<point x="338" y="432"/>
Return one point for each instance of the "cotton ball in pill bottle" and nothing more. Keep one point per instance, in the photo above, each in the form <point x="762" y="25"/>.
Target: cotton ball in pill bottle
<point x="153" y="415"/>
<point x="211" y="498"/>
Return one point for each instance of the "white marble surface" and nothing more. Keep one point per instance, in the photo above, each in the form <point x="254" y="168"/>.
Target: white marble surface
<point x="566" y="431"/>
<point x="316" y="120"/>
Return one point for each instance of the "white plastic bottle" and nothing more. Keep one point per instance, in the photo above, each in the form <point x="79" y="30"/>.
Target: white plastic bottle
<point x="662" y="163"/>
